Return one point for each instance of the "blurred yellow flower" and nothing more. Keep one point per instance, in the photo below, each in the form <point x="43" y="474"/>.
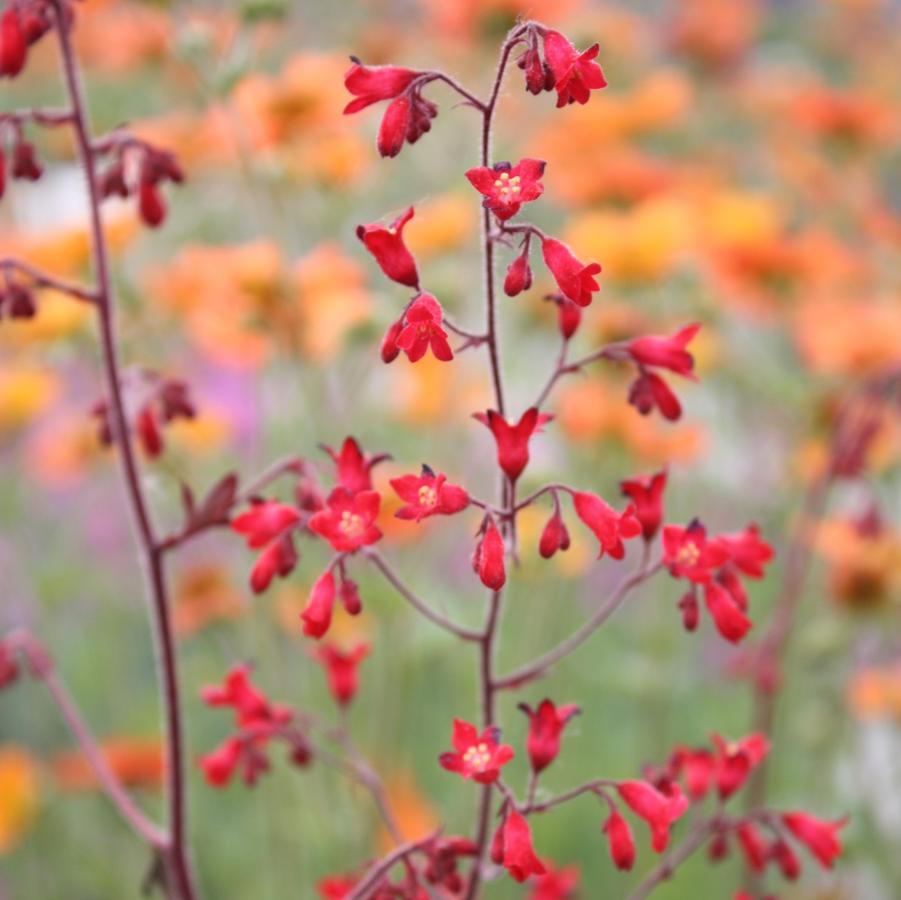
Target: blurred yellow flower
<point x="442" y="224"/>
<point x="26" y="391"/>
<point x="19" y="795"/>
<point x="204" y="594"/>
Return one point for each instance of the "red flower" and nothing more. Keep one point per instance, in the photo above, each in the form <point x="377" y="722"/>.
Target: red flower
<point x="350" y="596"/>
<point x="370" y="84"/>
<point x="427" y="495"/>
<point x="264" y="522"/>
<point x="538" y="74"/>
<point x="513" y="848"/>
<point x="348" y="521"/>
<point x="736" y="760"/>
<point x="576" y="74"/>
<point x="698" y="768"/>
<point x="354" y="467"/>
<point x="746" y="550"/>
<point x="546" y="724"/>
<point x="621" y="841"/>
<point x="574" y="279"/>
<point x="9" y="669"/>
<point x="337" y="887"/>
<point x="689" y="554"/>
<point x="513" y="440"/>
<point x="13" y="43"/>
<point x="250" y="704"/>
<point x="395" y="126"/>
<point x="659" y="810"/>
<point x="519" y="276"/>
<point x="26" y="165"/>
<point x="479" y="757"/>
<point x="318" y="613"/>
<point x="279" y="558"/>
<point x="691" y="613"/>
<point x="650" y="391"/>
<point x="507" y="187"/>
<point x="728" y="617"/>
<point x="609" y="526"/>
<point x="786" y="859"/>
<point x="387" y="245"/>
<point x="818" y="835"/>
<point x="753" y="846"/>
<point x="488" y="558"/>
<point x="665" y="352"/>
<point x="341" y="669"/>
<point x="646" y="494"/>
<point x="555" y="884"/>
<point x="443" y="856"/>
<point x="554" y="537"/>
<point x="219" y="765"/>
<point x="389" y="351"/>
<point x="569" y="315"/>
<point x="422" y="330"/>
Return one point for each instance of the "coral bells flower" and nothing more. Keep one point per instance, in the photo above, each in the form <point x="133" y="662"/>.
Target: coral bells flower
<point x="609" y="526"/>
<point x="753" y="846"/>
<point x="665" y="352"/>
<point x="646" y="494"/>
<point x="268" y="524"/>
<point x="9" y="669"/>
<point x="427" y="495"/>
<point x="546" y="725"/>
<point x="554" y="536"/>
<point x="575" y="279"/>
<point x="479" y="757"/>
<point x="507" y="187"/>
<point x="389" y="351"/>
<point x="746" y="550"/>
<point x="512" y="848"/>
<point x="659" y="810"/>
<point x="649" y="391"/>
<point x="513" y="440"/>
<point x="386" y="244"/>
<point x="422" y="330"/>
<point x="443" y="856"/>
<point x="727" y="615"/>
<point x="575" y="74"/>
<point x="689" y="554"/>
<point x="519" y="275"/>
<point x="13" y="43"/>
<point x="735" y="760"/>
<point x="395" y="126"/>
<point x="621" y="841"/>
<point x="279" y="558"/>
<point x="353" y="466"/>
<point x="818" y="835"/>
<point x="219" y="765"/>
<point x="251" y="706"/>
<point x="786" y="859"/>
<point x="341" y="669"/>
<point x="348" y="521"/>
<point x="370" y="84"/>
<point x="317" y="616"/>
<point x="555" y="884"/>
<point x="488" y="558"/>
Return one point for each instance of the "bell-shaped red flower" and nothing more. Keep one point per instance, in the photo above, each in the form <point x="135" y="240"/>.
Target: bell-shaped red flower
<point x="649" y="391"/>
<point x="422" y="330"/>
<point x="513" y="440"/>
<point x="507" y="187"/>
<point x="555" y="884"/>
<point x="353" y="466"/>
<point x="348" y="521"/>
<point x="476" y="756"/>
<point x="428" y="494"/>
<point x="317" y="616"/>
<point x="519" y="275"/>
<point x="609" y="526"/>
<point x="659" y="810"/>
<point x="13" y="43"/>
<point x="665" y="352"/>
<point x="386" y="244"/>
<point x="727" y="615"/>
<point x="546" y="724"/>
<point x="576" y="74"/>
<point x="488" y="558"/>
<point x="341" y="669"/>
<point x="219" y="765"/>
<point x="735" y="760"/>
<point x="746" y="550"/>
<point x="753" y="846"/>
<point x="513" y="848"/>
<point x="646" y="494"/>
<point x="264" y="522"/>
<point x="620" y="840"/>
<point x="818" y="835"/>
<point x="371" y="84"/>
<point x="575" y="279"/>
<point x="689" y="554"/>
<point x="554" y="536"/>
<point x="278" y="558"/>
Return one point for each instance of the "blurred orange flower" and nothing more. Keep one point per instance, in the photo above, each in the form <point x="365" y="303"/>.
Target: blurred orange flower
<point x="136" y="762"/>
<point x="204" y="594"/>
<point x="19" y="795"/>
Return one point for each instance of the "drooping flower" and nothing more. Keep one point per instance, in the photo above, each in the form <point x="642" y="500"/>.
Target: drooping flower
<point x="609" y="526"/>
<point x="546" y="725"/>
<point x="317" y="616"/>
<point x="427" y="495"/>
<point x="348" y="521"/>
<point x="512" y="847"/>
<point x="665" y="352"/>
<point x="389" y="351"/>
<point x="746" y="550"/>
<point x="476" y="756"/>
<point x="507" y="187"/>
<point x="620" y="840"/>
<point x="519" y="275"/>
<point x="219" y="765"/>
<point x="555" y="884"/>
<point x="752" y="845"/>
<point x="727" y="615"/>
<point x="689" y="554"/>
<point x="251" y="706"/>
<point x="341" y="669"/>
<point x="268" y="524"/>
<point x="9" y="668"/>
<point x="735" y="760"/>
<point x="488" y="557"/>
<point x="646" y="494"/>
<point x="353" y="466"/>
<point x="443" y="856"/>
<point x="818" y="835"/>
<point x="371" y="84"/>
<point x="422" y="330"/>
<point x="395" y="126"/>
<point x="786" y="858"/>
<point x="386" y="244"/>
<point x="659" y="810"/>
<point x="13" y="43"/>
<point x="649" y="391"/>
<point x="576" y="74"/>
<point x="575" y="279"/>
<point x="554" y="536"/>
<point x="278" y="558"/>
<point x="513" y="440"/>
<point x="569" y="315"/>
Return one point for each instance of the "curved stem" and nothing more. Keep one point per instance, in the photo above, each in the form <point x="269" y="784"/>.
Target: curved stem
<point x="363" y="890"/>
<point x="46" y="280"/>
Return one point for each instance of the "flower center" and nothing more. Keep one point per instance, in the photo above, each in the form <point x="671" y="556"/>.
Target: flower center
<point x="477" y="756"/>
<point x="688" y="554"/>
<point x="427" y="496"/>
<point x="351" y="523"/>
<point x="507" y="185"/>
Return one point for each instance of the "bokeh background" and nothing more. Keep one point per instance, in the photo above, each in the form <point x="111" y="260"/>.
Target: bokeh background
<point x="740" y="170"/>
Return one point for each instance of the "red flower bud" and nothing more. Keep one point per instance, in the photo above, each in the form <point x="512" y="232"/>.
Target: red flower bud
<point x="817" y="835"/>
<point x="569" y="317"/>
<point x="350" y="597"/>
<point x="13" y="43"/>
<point x="546" y="725"/>
<point x="279" y="558"/>
<point x="574" y="278"/>
<point x="386" y="244"/>
<point x="341" y="670"/>
<point x="389" y="349"/>
<point x="25" y="162"/>
<point x="646" y="493"/>
<point x="691" y="612"/>
<point x="730" y="621"/>
<point x="609" y="526"/>
<point x="659" y="810"/>
<point x="318" y="613"/>
<point x="488" y="559"/>
<point x="518" y="854"/>
<point x="554" y="537"/>
<point x="394" y="127"/>
<point x="149" y="433"/>
<point x="151" y="205"/>
<point x="753" y="846"/>
<point x="621" y="841"/>
<point x="519" y="276"/>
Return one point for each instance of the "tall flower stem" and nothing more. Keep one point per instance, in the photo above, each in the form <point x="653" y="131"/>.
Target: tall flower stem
<point x="179" y="879"/>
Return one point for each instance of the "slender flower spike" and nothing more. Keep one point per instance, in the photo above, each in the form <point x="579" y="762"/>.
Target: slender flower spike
<point x="621" y="841"/>
<point x="371" y="84"/>
<point x="507" y="187"/>
<point x="353" y="466"/>
<point x="689" y="554"/>
<point x="428" y="495"/>
<point x="609" y="526"/>
<point x="341" y="670"/>
<point x="386" y="244"/>
<point x="318" y="613"/>
<point x="576" y="280"/>
<point x="546" y="724"/>
<point x="646" y="494"/>
<point x="488" y="558"/>
<point x="576" y="74"/>
<point x="513" y="847"/>
<point x="513" y="440"/>
<point x="348" y="521"/>
<point x="475" y="756"/>
<point x="727" y="615"/>
<point x="659" y="810"/>
<point x="818" y="835"/>
<point x="422" y="331"/>
<point x="665" y="352"/>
